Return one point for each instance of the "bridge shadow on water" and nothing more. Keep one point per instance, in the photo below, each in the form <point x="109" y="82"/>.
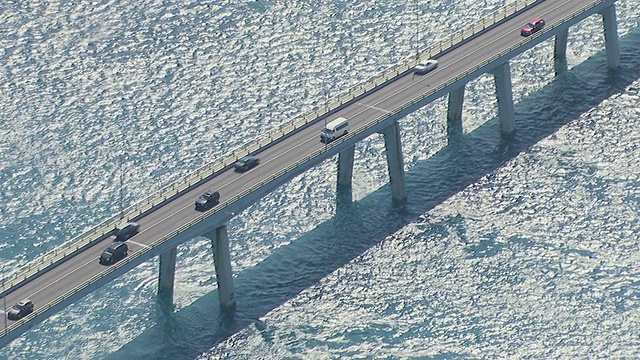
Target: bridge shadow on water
<point x="297" y="266"/>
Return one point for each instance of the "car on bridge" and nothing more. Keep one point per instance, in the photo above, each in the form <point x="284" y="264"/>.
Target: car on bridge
<point x="126" y="230"/>
<point x="335" y="129"/>
<point x="246" y="163"/>
<point x="425" y="66"/>
<point x="115" y="252"/>
<point x="20" y="309"/>
<point x="532" y="26"/>
<point x="207" y="200"/>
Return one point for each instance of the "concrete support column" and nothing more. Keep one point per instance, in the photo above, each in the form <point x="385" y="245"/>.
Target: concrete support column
<point x="395" y="162"/>
<point x="454" y="114"/>
<point x="502" y="75"/>
<point x="611" y="36"/>
<point x="560" y="51"/>
<point x="167" y="276"/>
<point x="345" y="166"/>
<point x="454" y="110"/>
<point x="345" y="175"/>
<point x="222" y="260"/>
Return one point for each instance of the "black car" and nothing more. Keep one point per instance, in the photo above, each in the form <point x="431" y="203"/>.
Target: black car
<point x="245" y="163"/>
<point x="115" y="252"/>
<point x="126" y="230"/>
<point x="208" y="200"/>
<point x="20" y="310"/>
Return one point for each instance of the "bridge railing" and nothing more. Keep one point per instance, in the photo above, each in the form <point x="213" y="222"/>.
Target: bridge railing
<point x="106" y="228"/>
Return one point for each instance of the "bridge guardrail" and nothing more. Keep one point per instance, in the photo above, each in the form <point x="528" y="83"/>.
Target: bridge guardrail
<point x="106" y="227"/>
<point x="208" y="170"/>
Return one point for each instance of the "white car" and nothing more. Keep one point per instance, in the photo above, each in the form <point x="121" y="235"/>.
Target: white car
<point x="425" y="66"/>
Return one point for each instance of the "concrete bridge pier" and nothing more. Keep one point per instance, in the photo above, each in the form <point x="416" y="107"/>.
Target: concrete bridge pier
<point x="560" y="51"/>
<point x="166" y="277"/>
<point x="345" y="174"/>
<point x="454" y="113"/>
<point x="345" y="166"/>
<point x="395" y="162"/>
<point x="222" y="261"/>
<point x="611" y="36"/>
<point x="504" y="92"/>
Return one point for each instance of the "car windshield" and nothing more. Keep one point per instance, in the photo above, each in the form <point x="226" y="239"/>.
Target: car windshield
<point x="107" y="253"/>
<point x="529" y="26"/>
<point x="326" y="131"/>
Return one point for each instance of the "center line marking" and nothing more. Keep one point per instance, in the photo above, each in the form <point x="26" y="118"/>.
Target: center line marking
<point x="374" y="107"/>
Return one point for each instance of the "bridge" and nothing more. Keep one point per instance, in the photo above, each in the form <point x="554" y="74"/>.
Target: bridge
<point x="168" y="219"/>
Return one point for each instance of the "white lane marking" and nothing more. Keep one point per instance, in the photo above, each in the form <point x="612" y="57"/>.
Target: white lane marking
<point x="374" y="107"/>
<point x="64" y="276"/>
<point x="139" y="244"/>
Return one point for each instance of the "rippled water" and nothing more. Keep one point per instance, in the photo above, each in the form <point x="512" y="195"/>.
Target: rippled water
<point x="506" y="248"/>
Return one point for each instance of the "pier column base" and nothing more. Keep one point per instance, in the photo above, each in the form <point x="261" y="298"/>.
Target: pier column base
<point x="222" y="260"/>
<point x="611" y="36"/>
<point x="166" y="277"/>
<point x="395" y="162"/>
<point x="504" y="92"/>
<point x="560" y="52"/>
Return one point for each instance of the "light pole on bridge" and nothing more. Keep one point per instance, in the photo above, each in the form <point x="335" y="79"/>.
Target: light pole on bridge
<point x="4" y="300"/>
<point x="122" y="179"/>
<point x="417" y="31"/>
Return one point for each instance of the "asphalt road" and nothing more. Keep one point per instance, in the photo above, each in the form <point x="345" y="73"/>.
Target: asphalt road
<point x="69" y="274"/>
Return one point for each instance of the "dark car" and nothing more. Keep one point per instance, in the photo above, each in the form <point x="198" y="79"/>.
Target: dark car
<point x="115" y="252"/>
<point x="20" y="310"/>
<point x="207" y="200"/>
<point x="245" y="163"/>
<point x="126" y="230"/>
<point x="532" y="26"/>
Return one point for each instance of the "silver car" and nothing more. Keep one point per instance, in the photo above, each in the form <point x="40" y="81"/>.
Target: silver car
<point x="425" y="66"/>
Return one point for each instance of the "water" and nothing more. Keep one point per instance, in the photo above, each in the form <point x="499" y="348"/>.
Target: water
<point x="505" y="249"/>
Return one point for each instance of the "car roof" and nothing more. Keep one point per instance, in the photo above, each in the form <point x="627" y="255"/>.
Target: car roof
<point x="125" y="224"/>
<point x="24" y="301"/>
<point x="115" y="245"/>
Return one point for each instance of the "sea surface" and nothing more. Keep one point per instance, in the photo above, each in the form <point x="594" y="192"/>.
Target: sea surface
<point x="506" y="248"/>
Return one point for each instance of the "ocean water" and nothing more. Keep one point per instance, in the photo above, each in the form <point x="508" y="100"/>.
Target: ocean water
<point x="506" y="248"/>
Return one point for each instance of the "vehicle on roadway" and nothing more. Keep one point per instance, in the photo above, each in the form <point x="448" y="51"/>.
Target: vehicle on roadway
<point x="532" y="26"/>
<point x="425" y="66"/>
<point x="335" y="129"/>
<point x="126" y="230"/>
<point x="246" y="163"/>
<point x="207" y="200"/>
<point x="20" y="309"/>
<point x="115" y="252"/>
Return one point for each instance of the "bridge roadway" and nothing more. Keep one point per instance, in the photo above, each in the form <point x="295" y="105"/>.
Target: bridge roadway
<point x="83" y="266"/>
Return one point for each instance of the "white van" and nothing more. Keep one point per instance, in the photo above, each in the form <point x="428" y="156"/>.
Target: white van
<point x="335" y="129"/>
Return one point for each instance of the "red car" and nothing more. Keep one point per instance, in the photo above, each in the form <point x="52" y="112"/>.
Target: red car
<point x="532" y="26"/>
